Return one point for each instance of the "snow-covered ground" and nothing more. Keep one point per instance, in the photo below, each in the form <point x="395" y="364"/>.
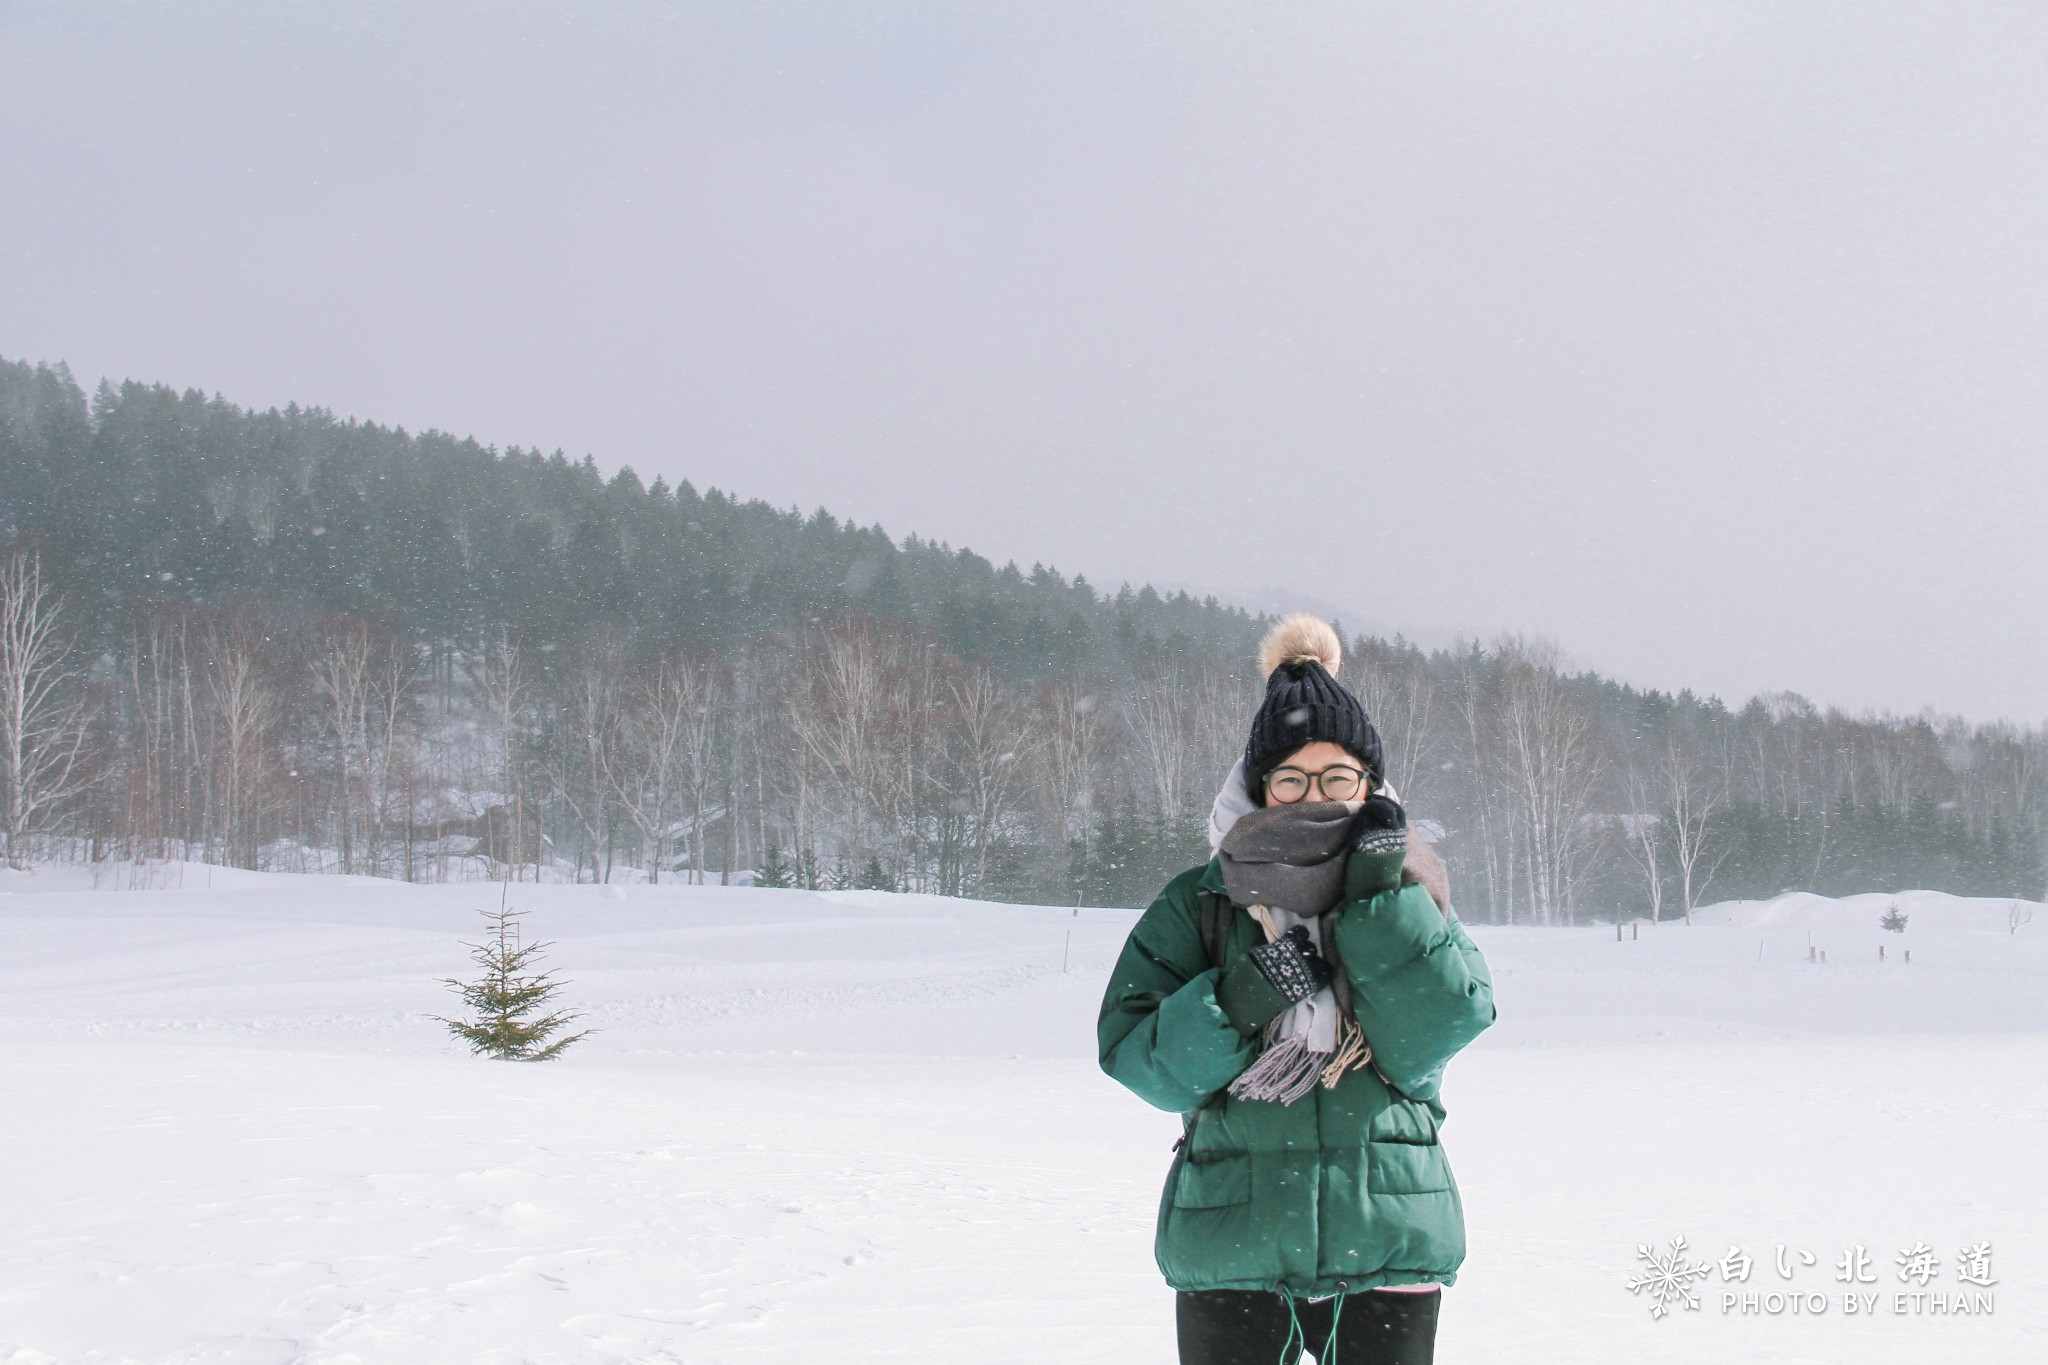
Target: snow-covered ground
<point x="840" y="1127"/>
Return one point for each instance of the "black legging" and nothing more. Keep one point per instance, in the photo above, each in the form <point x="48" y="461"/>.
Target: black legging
<point x="1253" y="1327"/>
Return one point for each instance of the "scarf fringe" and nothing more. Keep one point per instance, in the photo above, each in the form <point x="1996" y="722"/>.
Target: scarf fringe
<point x="1353" y="1053"/>
<point x="1289" y="1069"/>
<point x="1283" y="1073"/>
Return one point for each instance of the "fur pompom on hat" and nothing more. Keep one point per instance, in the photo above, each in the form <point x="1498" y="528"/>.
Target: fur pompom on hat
<point x="1298" y="638"/>
<point x="1305" y="703"/>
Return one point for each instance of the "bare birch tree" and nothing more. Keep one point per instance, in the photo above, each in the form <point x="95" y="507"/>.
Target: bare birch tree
<point x="1220" y="703"/>
<point x="1405" y="701"/>
<point x="843" y="719"/>
<point x="394" y="678"/>
<point x="587" y="734"/>
<point x="663" y="765"/>
<point x="1546" y="740"/>
<point x="1160" y="715"/>
<point x="1643" y="838"/>
<point x="45" y="710"/>
<point x="503" y="688"/>
<point x="1479" y="770"/>
<point x="341" y="680"/>
<point x="1693" y="794"/>
<point x="990" y="758"/>
<point x="242" y="708"/>
<point x="1069" y="723"/>
<point x="159" y="798"/>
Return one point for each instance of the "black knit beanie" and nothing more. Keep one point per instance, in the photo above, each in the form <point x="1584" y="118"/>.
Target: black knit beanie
<point x="1304" y="704"/>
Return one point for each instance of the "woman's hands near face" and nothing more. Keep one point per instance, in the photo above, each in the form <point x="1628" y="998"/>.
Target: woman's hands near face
<point x="1379" y="845"/>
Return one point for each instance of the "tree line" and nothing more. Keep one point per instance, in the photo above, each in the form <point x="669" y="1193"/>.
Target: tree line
<point x="279" y="640"/>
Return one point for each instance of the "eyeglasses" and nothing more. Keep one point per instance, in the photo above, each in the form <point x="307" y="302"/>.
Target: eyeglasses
<point x="1337" y="782"/>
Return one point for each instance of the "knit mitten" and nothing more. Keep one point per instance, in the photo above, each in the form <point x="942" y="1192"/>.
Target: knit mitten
<point x="1271" y="978"/>
<point x="1379" y="845"/>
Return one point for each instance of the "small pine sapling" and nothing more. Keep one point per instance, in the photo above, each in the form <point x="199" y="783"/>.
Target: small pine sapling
<point x="507" y="997"/>
<point x="775" y="870"/>
<point x="1894" y="919"/>
<point x="873" y="876"/>
<point x="808" y="874"/>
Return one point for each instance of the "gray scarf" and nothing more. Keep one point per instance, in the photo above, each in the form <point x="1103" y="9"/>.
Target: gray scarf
<point x="1285" y="864"/>
<point x="1288" y="857"/>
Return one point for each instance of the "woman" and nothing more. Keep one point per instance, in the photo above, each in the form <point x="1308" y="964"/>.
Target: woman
<point x="1295" y="1001"/>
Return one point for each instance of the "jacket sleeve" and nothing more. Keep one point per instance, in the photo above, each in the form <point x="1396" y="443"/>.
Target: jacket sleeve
<point x="1161" y="1032"/>
<point x="1419" y="985"/>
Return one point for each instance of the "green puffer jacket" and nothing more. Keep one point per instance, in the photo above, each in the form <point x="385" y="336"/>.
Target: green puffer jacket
<point x="1345" y="1189"/>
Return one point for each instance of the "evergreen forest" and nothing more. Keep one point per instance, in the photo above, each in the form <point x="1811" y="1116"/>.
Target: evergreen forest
<point x="279" y="639"/>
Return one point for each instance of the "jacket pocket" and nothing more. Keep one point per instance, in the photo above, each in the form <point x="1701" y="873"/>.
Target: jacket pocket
<point x="1214" y="1184"/>
<point x="1406" y="1168"/>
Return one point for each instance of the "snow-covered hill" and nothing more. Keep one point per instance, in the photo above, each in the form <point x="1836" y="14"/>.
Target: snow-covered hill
<point x="855" y="1126"/>
<point x="1927" y="913"/>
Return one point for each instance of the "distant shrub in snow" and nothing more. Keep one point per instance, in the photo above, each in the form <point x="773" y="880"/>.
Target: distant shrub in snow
<point x="1894" y="919"/>
<point x="775" y="870"/>
<point x="507" y="998"/>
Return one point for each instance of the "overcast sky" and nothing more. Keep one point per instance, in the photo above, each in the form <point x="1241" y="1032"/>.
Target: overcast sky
<point x="1709" y="340"/>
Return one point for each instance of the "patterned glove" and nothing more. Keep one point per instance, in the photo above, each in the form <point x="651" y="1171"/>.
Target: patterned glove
<point x="1293" y="965"/>
<point x="1379" y="845"/>
<point x="1271" y="978"/>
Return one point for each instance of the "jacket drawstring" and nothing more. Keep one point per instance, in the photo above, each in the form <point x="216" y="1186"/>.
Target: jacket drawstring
<point x="1297" y="1336"/>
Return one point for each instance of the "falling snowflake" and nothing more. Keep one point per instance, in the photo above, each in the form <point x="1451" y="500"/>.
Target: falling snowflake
<point x="1667" y="1277"/>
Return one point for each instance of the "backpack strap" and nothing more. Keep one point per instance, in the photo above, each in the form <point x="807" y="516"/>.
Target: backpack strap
<point x="1217" y="913"/>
